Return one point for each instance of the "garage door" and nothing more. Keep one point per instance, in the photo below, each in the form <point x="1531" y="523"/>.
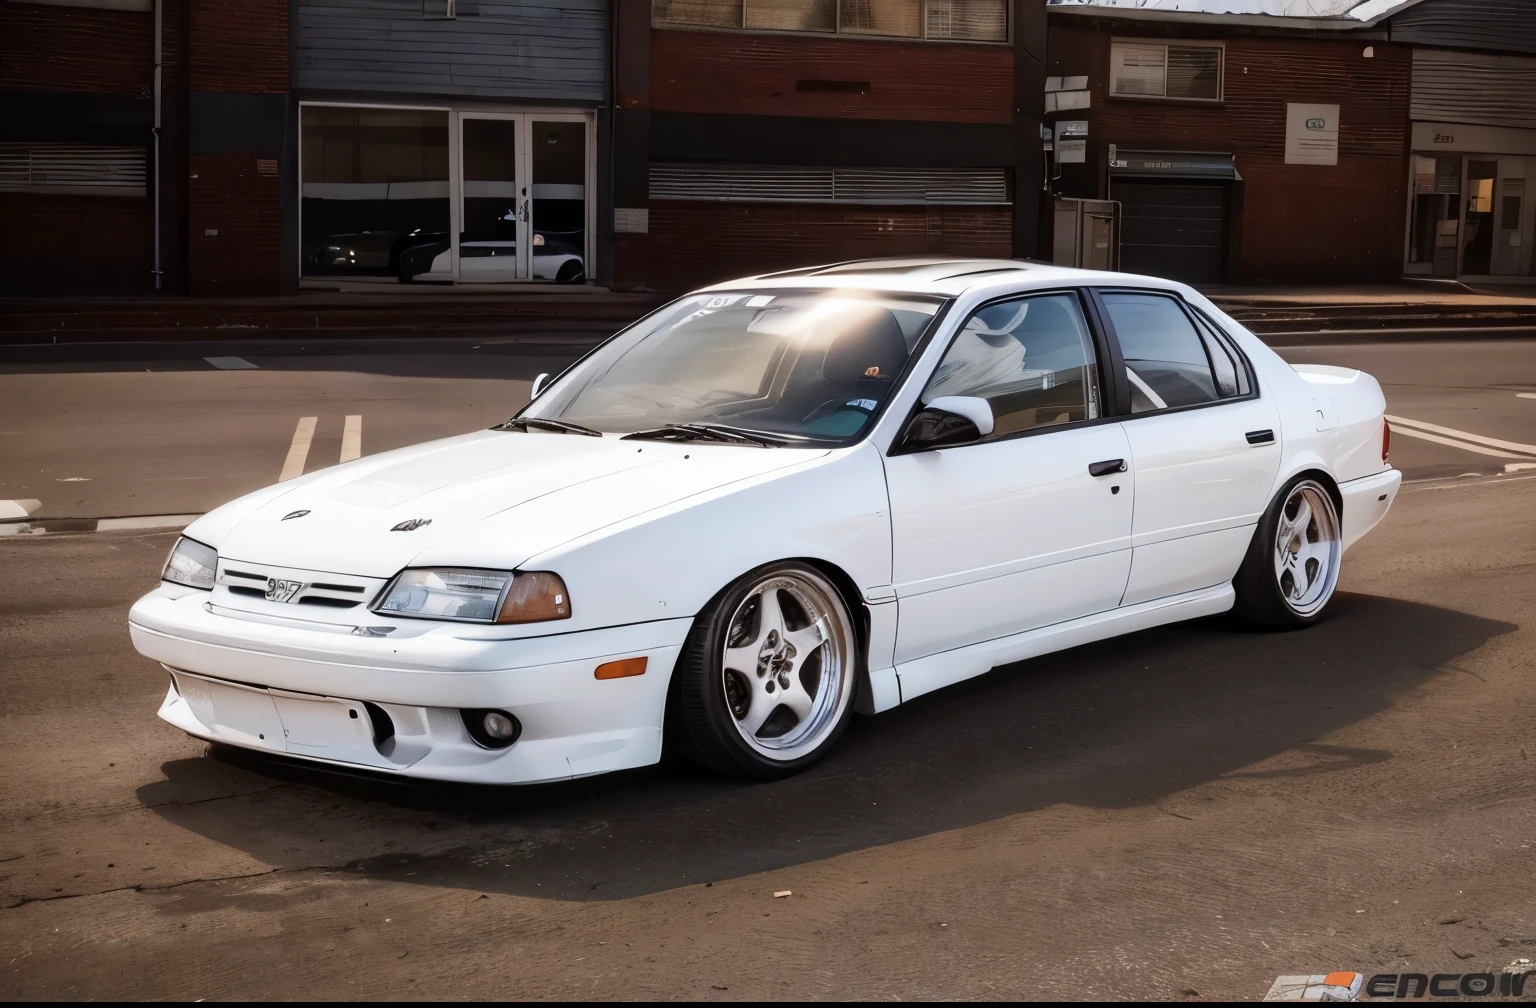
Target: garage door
<point x="1172" y="230"/>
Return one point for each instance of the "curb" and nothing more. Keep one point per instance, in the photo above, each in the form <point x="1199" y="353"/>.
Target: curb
<point x="148" y="523"/>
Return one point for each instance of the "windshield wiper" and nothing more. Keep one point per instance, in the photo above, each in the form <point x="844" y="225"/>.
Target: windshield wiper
<point x="526" y="424"/>
<point x="711" y="432"/>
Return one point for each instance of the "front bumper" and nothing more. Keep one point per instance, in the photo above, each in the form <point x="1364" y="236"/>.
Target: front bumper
<point x="305" y="691"/>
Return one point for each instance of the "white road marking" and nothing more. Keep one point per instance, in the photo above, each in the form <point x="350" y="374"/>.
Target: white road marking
<point x="1464" y="446"/>
<point x="1525" y="395"/>
<point x="231" y="363"/>
<point x="352" y="439"/>
<point x="146" y="522"/>
<point x="18" y="508"/>
<point x="1452" y="486"/>
<point x="1399" y="422"/>
<point x="298" y="452"/>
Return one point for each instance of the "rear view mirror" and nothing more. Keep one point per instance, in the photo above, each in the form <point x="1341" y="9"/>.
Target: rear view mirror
<point x="949" y="420"/>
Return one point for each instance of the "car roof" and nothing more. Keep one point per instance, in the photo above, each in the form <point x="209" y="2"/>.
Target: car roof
<point x="942" y="276"/>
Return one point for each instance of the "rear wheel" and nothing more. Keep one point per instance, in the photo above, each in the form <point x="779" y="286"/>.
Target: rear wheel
<point x="1292" y="567"/>
<point x="765" y="684"/>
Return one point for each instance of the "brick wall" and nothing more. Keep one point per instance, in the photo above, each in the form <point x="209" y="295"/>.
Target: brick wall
<point x="692" y="244"/>
<point x="47" y="48"/>
<point x="75" y="244"/>
<point x="765" y="74"/>
<point x="240" y="46"/>
<point x="234" y="207"/>
<point x="1301" y="223"/>
<point x="236" y="226"/>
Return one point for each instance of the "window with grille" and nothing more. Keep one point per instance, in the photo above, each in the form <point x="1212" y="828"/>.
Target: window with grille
<point x="1165" y="70"/>
<point x="948" y="20"/>
<point x="82" y="169"/>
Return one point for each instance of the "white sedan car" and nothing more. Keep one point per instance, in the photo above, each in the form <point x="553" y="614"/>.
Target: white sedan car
<point x="765" y="506"/>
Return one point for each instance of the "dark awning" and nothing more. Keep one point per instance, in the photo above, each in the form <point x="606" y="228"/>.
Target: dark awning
<point x="1173" y="164"/>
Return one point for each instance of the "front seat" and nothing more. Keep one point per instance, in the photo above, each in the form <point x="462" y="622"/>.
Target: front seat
<point x="866" y="353"/>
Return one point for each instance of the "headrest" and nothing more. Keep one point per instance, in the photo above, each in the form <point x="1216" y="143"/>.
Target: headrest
<point x="865" y="337"/>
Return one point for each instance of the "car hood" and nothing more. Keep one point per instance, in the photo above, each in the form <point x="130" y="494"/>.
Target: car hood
<point x="463" y="497"/>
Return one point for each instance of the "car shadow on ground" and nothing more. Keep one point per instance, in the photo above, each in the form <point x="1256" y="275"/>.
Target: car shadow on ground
<point x="1117" y="724"/>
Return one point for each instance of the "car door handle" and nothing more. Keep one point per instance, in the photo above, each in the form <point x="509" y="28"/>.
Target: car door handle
<point x="1106" y="467"/>
<point x="1260" y="437"/>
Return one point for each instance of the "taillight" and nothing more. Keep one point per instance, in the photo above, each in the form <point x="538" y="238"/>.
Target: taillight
<point x="1386" y="440"/>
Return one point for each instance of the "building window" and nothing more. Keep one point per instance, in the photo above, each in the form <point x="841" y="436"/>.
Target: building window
<point x="945" y="20"/>
<point x="72" y="169"/>
<point x="374" y="181"/>
<point x="1183" y="71"/>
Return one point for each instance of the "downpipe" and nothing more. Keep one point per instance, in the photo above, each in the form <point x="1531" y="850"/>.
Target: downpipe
<point x="159" y="66"/>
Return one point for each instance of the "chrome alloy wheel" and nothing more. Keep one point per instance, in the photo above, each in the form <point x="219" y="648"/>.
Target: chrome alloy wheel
<point x="788" y="664"/>
<point x="1308" y="548"/>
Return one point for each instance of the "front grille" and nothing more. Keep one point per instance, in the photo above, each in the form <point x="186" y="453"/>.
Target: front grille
<point x="321" y="590"/>
<point x="319" y="600"/>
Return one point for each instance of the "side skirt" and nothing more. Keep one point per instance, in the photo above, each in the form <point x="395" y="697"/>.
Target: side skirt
<point x="927" y="674"/>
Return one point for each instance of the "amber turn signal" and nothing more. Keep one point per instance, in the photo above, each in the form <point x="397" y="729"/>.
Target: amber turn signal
<point x="535" y="596"/>
<point x="620" y="669"/>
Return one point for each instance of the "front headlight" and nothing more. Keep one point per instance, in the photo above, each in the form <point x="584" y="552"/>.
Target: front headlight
<point x="477" y="596"/>
<point x="191" y="564"/>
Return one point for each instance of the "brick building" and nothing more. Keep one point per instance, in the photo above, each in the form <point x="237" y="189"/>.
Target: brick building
<point x="753" y="135"/>
<point x="1240" y="149"/>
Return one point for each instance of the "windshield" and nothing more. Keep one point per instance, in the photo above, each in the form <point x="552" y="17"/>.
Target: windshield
<point x="806" y="364"/>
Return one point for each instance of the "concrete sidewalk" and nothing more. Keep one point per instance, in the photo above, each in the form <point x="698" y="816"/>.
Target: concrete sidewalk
<point x="335" y="310"/>
<point x="1407" y="305"/>
<point x="381" y="309"/>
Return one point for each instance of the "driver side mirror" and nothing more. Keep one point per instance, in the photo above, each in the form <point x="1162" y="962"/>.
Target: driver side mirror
<point x="538" y="385"/>
<point x="949" y="420"/>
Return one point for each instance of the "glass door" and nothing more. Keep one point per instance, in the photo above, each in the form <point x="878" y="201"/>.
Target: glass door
<point x="1512" y="218"/>
<point x="1435" y="216"/>
<point x="559" y="198"/>
<point x="522" y="206"/>
<point x="493" y="206"/>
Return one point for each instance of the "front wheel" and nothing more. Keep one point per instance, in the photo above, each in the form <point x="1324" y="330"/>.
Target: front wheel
<point x="1292" y="567"/>
<point x="764" y="686"/>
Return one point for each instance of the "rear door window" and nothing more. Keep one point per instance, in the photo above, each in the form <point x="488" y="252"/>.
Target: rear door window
<point x="1166" y="358"/>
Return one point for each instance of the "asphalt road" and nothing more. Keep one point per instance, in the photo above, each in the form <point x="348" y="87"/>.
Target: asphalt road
<point x="164" y="432"/>
<point x="1186" y="813"/>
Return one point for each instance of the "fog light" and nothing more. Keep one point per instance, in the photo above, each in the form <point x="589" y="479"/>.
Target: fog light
<point x="498" y="726"/>
<point x="493" y="729"/>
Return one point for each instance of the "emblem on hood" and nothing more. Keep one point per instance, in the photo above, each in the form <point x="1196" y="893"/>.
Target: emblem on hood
<point x="294" y="514"/>
<point x="412" y="525"/>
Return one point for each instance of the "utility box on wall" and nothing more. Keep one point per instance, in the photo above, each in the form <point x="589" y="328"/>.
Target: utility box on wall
<point x="1086" y="234"/>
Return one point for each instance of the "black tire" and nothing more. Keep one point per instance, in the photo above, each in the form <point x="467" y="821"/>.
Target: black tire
<point x="700" y="705"/>
<point x="571" y="272"/>
<point x="1264" y="594"/>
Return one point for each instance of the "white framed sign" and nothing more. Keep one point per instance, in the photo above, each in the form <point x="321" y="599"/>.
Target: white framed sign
<point x="1311" y="134"/>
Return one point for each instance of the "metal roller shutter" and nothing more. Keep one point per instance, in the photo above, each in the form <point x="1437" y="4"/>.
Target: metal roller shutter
<point x="1172" y="230"/>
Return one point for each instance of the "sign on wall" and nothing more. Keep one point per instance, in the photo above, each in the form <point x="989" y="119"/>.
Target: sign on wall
<point x="1311" y="134"/>
<point x="1072" y="141"/>
<point x="631" y="220"/>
